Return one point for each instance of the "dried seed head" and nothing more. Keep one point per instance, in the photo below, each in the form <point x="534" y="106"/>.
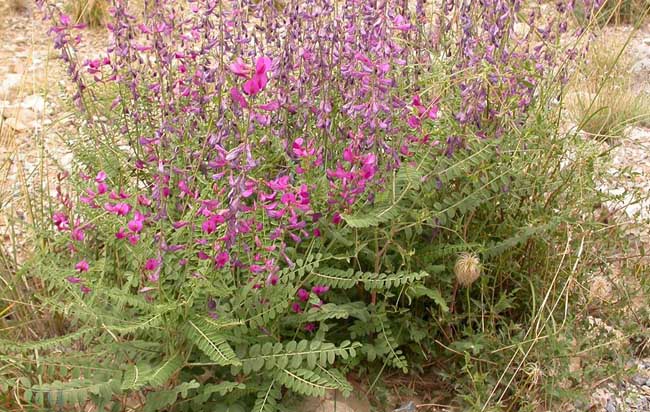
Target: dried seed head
<point x="467" y="269"/>
<point x="600" y="289"/>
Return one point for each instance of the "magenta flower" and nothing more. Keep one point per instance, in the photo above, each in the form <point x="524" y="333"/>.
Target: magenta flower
<point x="82" y="266"/>
<point x="120" y="234"/>
<point x="60" y="221"/>
<point x="73" y="279"/>
<point x="310" y="327"/>
<point x="238" y="98"/>
<point x="239" y="68"/>
<point x="320" y="289"/>
<point x="144" y="200"/>
<point x="120" y="209"/>
<point x="303" y="295"/>
<point x="135" y="225"/>
<point x="296" y="308"/>
<point x="102" y="188"/>
<point x="101" y="177"/>
<point x="65" y="19"/>
<point x="271" y="106"/>
<point x="151" y="264"/>
<point x="84" y="289"/>
<point x="259" y="80"/>
<point x="77" y="234"/>
<point x="272" y="279"/>
<point x="221" y="259"/>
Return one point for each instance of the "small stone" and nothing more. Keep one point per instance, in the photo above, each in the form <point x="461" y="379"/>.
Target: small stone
<point x="34" y="102"/>
<point x="610" y="407"/>
<point x="334" y="406"/>
<point x="642" y="66"/>
<point x="646" y="41"/>
<point x="638" y="380"/>
<point x="26" y="116"/>
<point x="15" y="124"/>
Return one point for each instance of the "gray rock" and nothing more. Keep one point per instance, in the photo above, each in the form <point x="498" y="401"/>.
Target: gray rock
<point x="642" y="66"/>
<point x="409" y="407"/>
<point x="610" y="407"/>
<point x="639" y="380"/>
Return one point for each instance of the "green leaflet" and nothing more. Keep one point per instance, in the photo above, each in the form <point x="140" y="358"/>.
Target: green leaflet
<point x="306" y="382"/>
<point x="345" y="279"/>
<point x="74" y="391"/>
<point x="208" y="339"/>
<point x="158" y="401"/>
<point x="294" y="354"/>
<point x="267" y="399"/>
<point x="137" y="376"/>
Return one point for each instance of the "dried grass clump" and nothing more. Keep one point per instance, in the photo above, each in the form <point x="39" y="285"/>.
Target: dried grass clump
<point x="91" y="12"/>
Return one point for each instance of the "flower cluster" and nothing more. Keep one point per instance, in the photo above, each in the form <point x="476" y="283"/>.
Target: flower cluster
<point x="252" y="129"/>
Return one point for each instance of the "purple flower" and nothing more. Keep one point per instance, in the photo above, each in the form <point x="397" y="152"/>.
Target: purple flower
<point x="238" y="98"/>
<point x="82" y="266"/>
<point x="221" y="259"/>
<point x="151" y="264"/>
<point x="77" y="234"/>
<point x="320" y="289"/>
<point x="303" y="295"/>
<point x="73" y="279"/>
<point x="60" y="221"/>
<point x="310" y="327"/>
<point x="240" y="68"/>
<point x="296" y="308"/>
<point x="135" y="225"/>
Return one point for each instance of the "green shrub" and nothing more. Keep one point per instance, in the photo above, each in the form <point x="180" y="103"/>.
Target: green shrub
<point x="242" y="227"/>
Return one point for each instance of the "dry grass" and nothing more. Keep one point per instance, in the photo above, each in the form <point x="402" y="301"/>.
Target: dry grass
<point x="602" y="99"/>
<point x="91" y="12"/>
<point x="19" y="5"/>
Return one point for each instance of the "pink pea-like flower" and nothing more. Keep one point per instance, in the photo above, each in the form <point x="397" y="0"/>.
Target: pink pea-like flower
<point x="303" y="295"/>
<point x="65" y="19"/>
<point x="77" y="234"/>
<point x="320" y="289"/>
<point x="73" y="279"/>
<point x="296" y="308"/>
<point x="259" y="80"/>
<point x="151" y="264"/>
<point x="85" y="289"/>
<point x="310" y="327"/>
<point x="240" y="68"/>
<point x="221" y="259"/>
<point x="120" y="234"/>
<point x="82" y="266"/>
<point x="272" y="279"/>
<point x="144" y="200"/>
<point x="120" y="209"/>
<point x="101" y="177"/>
<point x="270" y="106"/>
<point x="60" y="221"/>
<point x="102" y="188"/>
<point x="135" y="225"/>
<point x="238" y="98"/>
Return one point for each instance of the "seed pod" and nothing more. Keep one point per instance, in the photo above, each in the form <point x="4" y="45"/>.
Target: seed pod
<point x="467" y="269"/>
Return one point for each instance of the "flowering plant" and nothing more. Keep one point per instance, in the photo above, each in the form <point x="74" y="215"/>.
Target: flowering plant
<point x="271" y="183"/>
